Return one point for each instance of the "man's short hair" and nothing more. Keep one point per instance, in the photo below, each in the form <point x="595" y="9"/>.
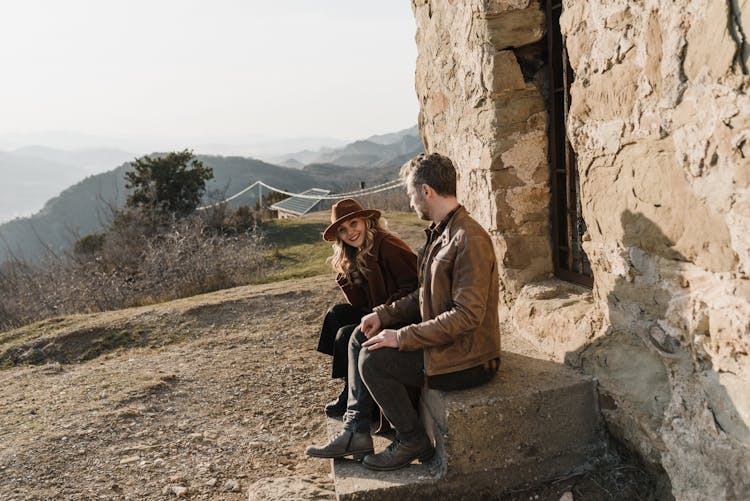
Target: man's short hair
<point x="432" y="169"/>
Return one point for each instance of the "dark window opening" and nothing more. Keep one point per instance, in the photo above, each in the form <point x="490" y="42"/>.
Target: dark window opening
<point x="568" y="226"/>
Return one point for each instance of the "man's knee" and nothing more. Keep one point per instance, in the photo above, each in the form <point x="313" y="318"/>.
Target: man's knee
<point x="372" y="361"/>
<point x="356" y="339"/>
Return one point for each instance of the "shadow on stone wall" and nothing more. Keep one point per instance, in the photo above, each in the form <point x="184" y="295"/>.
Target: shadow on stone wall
<point x="660" y="395"/>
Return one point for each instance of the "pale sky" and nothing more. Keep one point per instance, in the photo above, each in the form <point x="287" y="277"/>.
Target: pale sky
<point x="209" y="69"/>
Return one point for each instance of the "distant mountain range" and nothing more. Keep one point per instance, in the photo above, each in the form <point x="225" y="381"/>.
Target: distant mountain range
<point x="28" y="182"/>
<point x="34" y="174"/>
<point x="83" y="203"/>
<point x="375" y="151"/>
<point x="256" y="146"/>
<point x="89" y="160"/>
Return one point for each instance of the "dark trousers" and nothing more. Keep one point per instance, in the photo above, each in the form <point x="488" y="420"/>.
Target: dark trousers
<point x="359" y="403"/>
<point x="388" y="373"/>
<point x="338" y="325"/>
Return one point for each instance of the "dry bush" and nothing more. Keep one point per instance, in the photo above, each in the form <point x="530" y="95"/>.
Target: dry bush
<point x="132" y="264"/>
<point x="394" y="200"/>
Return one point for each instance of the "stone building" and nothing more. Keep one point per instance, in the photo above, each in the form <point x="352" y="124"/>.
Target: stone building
<point x="603" y="144"/>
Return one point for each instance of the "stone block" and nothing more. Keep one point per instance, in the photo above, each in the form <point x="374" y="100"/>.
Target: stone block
<point x="506" y="73"/>
<point x="494" y="7"/>
<point x="710" y="47"/>
<point x="536" y="421"/>
<point x="535" y="412"/>
<point x="513" y="110"/>
<point x="515" y="28"/>
<point x="557" y="317"/>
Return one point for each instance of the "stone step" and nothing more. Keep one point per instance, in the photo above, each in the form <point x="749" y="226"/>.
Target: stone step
<point x="537" y="420"/>
<point x="354" y="481"/>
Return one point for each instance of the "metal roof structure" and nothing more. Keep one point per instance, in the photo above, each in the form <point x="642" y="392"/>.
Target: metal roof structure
<point x="301" y="206"/>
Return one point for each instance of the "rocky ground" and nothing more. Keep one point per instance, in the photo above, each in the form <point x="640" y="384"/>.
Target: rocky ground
<point x="210" y="397"/>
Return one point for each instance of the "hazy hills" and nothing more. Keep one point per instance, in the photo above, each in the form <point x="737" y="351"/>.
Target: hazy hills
<point x="28" y="182"/>
<point x="253" y="145"/>
<point x="86" y="206"/>
<point x="34" y="174"/>
<point x="77" y="205"/>
<point x="379" y="150"/>
<point x="90" y="160"/>
<point x="38" y="166"/>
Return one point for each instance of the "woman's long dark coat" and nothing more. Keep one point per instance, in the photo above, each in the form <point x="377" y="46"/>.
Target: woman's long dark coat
<point x="392" y="274"/>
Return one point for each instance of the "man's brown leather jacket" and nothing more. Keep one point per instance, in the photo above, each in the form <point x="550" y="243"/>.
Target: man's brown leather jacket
<point x="453" y="314"/>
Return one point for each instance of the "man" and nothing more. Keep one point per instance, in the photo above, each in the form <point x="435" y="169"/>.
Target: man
<point x="444" y="335"/>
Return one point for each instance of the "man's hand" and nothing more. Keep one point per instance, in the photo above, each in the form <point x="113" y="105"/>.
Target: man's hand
<point x="386" y="339"/>
<point x="370" y="325"/>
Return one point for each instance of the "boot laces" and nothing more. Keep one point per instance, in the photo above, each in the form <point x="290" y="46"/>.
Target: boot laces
<point x="393" y="446"/>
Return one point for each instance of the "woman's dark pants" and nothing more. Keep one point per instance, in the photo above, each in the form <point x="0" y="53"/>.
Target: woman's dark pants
<point x="338" y="325"/>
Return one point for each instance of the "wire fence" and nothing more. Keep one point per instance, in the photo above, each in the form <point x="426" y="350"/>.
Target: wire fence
<point x="395" y="183"/>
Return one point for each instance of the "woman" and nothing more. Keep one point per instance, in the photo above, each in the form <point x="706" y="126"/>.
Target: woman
<point x="373" y="266"/>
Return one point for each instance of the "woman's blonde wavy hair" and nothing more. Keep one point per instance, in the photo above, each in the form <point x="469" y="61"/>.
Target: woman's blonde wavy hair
<point x="347" y="260"/>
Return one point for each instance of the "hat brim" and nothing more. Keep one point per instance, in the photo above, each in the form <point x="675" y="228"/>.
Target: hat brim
<point x="330" y="233"/>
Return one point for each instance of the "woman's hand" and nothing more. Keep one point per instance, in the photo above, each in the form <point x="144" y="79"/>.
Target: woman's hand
<point x="370" y="325"/>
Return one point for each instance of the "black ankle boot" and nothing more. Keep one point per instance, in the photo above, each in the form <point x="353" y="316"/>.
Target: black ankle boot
<point x="337" y="407"/>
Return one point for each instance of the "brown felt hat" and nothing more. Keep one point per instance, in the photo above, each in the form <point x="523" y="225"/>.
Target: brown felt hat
<point x="344" y="210"/>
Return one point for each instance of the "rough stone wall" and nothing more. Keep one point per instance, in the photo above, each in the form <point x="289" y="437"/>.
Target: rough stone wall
<point x="479" y="108"/>
<point x="660" y="120"/>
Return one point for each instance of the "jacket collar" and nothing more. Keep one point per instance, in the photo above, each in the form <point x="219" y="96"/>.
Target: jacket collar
<point x="436" y="231"/>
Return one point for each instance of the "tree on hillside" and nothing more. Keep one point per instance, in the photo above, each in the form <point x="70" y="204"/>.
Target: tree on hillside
<point x="167" y="185"/>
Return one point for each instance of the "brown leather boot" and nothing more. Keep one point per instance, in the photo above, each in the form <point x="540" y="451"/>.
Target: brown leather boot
<point x="400" y="454"/>
<point x="346" y="443"/>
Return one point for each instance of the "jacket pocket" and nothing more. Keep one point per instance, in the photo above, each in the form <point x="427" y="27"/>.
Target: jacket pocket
<point x="442" y="264"/>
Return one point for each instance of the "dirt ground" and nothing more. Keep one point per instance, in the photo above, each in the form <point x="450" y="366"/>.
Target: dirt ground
<point x="234" y="398"/>
<point x="210" y="397"/>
